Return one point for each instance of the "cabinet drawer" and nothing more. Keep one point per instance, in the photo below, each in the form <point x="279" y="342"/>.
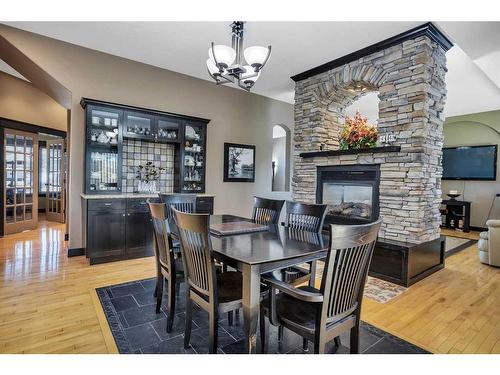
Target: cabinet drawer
<point x="137" y="205"/>
<point x="106" y="204"/>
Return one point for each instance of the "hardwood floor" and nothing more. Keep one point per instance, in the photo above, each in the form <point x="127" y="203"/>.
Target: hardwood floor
<point x="47" y="299"/>
<point x="48" y="303"/>
<point x="456" y="310"/>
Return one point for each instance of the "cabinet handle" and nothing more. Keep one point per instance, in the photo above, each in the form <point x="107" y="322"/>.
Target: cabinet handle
<point x="128" y="214"/>
<point x="107" y="204"/>
<point x="123" y="215"/>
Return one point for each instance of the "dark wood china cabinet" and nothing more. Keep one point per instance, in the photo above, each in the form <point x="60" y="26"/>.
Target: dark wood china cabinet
<point x="108" y="124"/>
<point x="118" y="226"/>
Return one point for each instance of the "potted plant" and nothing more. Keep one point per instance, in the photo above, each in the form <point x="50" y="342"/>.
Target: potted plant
<point x="147" y="175"/>
<point x="358" y="133"/>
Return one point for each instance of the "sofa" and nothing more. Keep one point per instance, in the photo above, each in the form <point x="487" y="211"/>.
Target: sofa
<point x="489" y="244"/>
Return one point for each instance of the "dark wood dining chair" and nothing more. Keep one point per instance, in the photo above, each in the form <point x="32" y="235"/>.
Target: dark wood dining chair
<point x="266" y="211"/>
<point x="181" y="202"/>
<point x="323" y="315"/>
<point x="305" y="216"/>
<point x="214" y="292"/>
<point x="168" y="264"/>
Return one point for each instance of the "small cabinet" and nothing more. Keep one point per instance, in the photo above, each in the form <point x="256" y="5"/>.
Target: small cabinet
<point x="139" y="229"/>
<point x="139" y="125"/>
<point x="118" y="229"/>
<point x="193" y="158"/>
<point x="105" y="230"/>
<point x="103" y="149"/>
<point x="168" y="129"/>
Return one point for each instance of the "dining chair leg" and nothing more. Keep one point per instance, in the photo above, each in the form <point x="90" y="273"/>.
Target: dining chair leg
<point x="155" y="293"/>
<point x="305" y="344"/>
<point x="230" y="318"/>
<point x="189" y="320"/>
<point x="337" y="341"/>
<point x="280" y="333"/>
<point x="264" y="332"/>
<point x="172" y="288"/>
<point x="319" y="345"/>
<point x="213" y="332"/>
<point x="354" y="341"/>
<point x="159" y="294"/>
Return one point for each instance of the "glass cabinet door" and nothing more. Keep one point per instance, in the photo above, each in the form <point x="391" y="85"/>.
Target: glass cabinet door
<point x="193" y="178"/>
<point x="167" y="129"/>
<point x="138" y="125"/>
<point x="103" y="149"/>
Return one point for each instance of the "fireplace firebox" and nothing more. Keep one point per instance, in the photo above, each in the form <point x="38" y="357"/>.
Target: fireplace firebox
<point x="351" y="193"/>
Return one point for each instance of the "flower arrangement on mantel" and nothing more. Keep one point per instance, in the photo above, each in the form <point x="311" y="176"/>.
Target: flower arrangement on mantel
<point x="147" y="175"/>
<point x="358" y="133"/>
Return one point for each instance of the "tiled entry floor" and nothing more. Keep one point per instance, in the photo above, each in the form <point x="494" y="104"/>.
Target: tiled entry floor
<point x="136" y="328"/>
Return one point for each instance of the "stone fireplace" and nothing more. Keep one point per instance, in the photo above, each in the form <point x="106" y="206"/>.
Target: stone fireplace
<point x="408" y="73"/>
<point x="351" y="193"/>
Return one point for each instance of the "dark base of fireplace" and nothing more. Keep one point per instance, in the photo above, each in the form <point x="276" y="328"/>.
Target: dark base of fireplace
<point x="405" y="263"/>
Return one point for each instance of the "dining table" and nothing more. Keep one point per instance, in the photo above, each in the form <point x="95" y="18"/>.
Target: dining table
<point x="257" y="253"/>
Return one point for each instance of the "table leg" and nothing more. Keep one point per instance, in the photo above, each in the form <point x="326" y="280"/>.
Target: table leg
<point x="312" y="267"/>
<point x="251" y="301"/>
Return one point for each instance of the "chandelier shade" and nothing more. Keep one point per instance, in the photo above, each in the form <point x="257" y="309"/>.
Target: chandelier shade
<point x="226" y="65"/>
<point x="224" y="55"/>
<point x="256" y="56"/>
<point x="212" y="69"/>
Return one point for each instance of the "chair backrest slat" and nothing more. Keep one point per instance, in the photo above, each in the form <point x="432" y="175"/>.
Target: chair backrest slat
<point x="304" y="216"/>
<point x="163" y="241"/>
<point x="346" y="268"/>
<point x="181" y="202"/>
<point x="199" y="265"/>
<point x="266" y="211"/>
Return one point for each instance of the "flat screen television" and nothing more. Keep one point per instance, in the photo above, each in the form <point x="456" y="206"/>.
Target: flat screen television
<point x="470" y="163"/>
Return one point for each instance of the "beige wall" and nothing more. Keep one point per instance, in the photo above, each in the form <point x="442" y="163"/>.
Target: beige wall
<point x="236" y="116"/>
<point x="468" y="130"/>
<point x="21" y="101"/>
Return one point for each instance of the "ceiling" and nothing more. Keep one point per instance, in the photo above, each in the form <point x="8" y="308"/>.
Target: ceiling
<point x="473" y="80"/>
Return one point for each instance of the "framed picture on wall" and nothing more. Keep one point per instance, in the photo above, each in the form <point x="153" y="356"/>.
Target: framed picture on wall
<point x="239" y="163"/>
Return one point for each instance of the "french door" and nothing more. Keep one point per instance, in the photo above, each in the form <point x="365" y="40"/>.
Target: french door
<point x="20" y="181"/>
<point x="54" y="202"/>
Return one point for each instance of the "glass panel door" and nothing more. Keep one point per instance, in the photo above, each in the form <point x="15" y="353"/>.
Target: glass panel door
<point x="138" y="125"/>
<point x="103" y="144"/>
<point x="21" y="181"/>
<point x="168" y="129"/>
<point x="54" y="203"/>
<point x="193" y="163"/>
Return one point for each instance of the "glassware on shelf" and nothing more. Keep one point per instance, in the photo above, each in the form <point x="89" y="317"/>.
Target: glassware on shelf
<point x="138" y="125"/>
<point x="104" y="119"/>
<point x="103" y="171"/>
<point x="168" y="129"/>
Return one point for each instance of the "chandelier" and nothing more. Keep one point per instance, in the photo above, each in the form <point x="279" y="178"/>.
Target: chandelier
<point x="225" y="64"/>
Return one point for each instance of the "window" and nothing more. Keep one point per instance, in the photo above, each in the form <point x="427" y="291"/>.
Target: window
<point x="42" y="169"/>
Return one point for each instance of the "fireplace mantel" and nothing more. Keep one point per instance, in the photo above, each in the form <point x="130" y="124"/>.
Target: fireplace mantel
<point x="373" y="150"/>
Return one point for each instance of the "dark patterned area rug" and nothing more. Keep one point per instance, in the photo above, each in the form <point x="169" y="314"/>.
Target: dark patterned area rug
<point x="136" y="328"/>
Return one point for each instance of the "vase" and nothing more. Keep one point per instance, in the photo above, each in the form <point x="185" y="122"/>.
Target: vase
<point x="146" y="187"/>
